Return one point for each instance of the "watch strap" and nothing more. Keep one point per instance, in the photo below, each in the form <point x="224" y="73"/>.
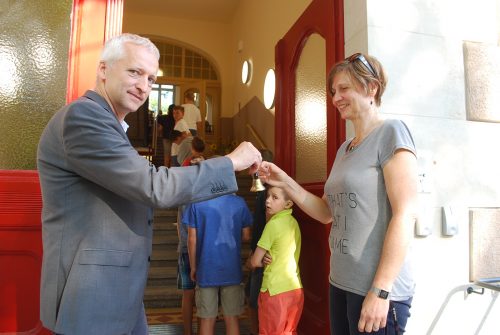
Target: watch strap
<point x="382" y="294"/>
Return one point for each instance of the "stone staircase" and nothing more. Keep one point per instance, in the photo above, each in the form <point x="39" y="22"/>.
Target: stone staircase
<point x="161" y="290"/>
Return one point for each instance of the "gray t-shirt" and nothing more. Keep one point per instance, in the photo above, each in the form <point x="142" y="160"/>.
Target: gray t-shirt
<point x="361" y="211"/>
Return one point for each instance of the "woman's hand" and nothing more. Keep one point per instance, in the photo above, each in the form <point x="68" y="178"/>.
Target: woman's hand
<point x="271" y="174"/>
<point x="373" y="313"/>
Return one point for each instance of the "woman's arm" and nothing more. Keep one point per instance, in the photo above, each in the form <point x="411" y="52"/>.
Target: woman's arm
<point x="312" y="205"/>
<point x="400" y="175"/>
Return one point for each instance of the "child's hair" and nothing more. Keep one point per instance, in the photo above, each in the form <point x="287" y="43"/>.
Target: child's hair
<point x="198" y="144"/>
<point x="175" y="135"/>
<point x="179" y="108"/>
<point x="285" y="195"/>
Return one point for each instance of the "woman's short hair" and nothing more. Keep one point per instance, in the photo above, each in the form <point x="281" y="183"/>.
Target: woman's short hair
<point x="114" y="48"/>
<point x="361" y="74"/>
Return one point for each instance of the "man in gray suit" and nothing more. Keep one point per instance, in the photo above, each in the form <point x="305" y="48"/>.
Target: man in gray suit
<point x="98" y="195"/>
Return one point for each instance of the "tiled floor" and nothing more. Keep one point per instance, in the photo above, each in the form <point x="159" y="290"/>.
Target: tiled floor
<point x="168" y="321"/>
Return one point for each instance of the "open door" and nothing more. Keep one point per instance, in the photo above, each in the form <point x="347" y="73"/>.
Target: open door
<point x="308" y="133"/>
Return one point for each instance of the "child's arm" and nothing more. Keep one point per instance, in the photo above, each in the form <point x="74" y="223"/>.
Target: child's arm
<point x="257" y="257"/>
<point x="192" y="251"/>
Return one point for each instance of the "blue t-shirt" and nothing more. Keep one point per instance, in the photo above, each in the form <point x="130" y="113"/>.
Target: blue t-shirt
<point x="219" y="223"/>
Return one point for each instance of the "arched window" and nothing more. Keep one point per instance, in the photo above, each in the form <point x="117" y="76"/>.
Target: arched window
<point x="181" y="62"/>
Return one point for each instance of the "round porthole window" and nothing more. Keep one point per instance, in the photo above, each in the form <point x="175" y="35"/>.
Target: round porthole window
<point x="269" y="89"/>
<point x="246" y="71"/>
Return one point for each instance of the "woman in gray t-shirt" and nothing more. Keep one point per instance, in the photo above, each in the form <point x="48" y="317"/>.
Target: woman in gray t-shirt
<point x="370" y="199"/>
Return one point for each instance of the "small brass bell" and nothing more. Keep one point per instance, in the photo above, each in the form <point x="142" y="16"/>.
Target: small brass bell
<point x="256" y="184"/>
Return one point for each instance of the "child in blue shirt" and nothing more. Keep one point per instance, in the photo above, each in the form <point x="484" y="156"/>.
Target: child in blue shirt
<point x="216" y="229"/>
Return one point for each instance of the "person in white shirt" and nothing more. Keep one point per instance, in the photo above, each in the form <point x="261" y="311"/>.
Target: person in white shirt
<point x="192" y="114"/>
<point x="182" y="127"/>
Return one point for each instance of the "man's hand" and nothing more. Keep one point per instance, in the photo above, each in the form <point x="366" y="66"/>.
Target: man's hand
<point x="245" y="156"/>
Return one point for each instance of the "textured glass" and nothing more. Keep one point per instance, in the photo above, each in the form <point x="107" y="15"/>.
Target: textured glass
<point x="34" y="43"/>
<point x="310" y="112"/>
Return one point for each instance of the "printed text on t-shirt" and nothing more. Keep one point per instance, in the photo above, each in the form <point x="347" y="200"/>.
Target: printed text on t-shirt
<point x="340" y="224"/>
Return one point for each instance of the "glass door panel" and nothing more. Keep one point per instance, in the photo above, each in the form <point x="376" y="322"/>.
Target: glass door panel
<point x="310" y="112"/>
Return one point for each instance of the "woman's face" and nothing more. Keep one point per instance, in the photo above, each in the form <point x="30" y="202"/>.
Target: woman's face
<point x="350" y="99"/>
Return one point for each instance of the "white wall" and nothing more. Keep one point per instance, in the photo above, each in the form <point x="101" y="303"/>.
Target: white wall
<point x="420" y="44"/>
<point x="258" y="25"/>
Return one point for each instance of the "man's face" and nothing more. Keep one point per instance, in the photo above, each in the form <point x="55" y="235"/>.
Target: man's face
<point x="127" y="81"/>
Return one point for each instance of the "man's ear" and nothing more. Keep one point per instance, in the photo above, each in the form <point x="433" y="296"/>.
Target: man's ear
<point x="101" y="70"/>
<point x="288" y="204"/>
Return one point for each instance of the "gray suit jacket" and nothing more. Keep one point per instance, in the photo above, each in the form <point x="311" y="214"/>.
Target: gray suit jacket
<point x="98" y="195"/>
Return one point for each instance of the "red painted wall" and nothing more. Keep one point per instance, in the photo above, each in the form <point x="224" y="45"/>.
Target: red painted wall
<point x="20" y="252"/>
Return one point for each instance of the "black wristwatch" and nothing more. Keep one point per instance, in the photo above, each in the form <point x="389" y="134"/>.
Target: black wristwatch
<point x="382" y="294"/>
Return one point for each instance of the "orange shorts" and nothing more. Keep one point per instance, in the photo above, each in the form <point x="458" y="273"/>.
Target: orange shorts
<point x="280" y="314"/>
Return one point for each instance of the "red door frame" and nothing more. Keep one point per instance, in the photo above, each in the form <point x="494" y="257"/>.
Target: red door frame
<point x="92" y="23"/>
<point x="326" y="18"/>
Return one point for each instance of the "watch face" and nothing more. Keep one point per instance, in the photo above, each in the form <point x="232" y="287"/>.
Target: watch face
<point x="383" y="294"/>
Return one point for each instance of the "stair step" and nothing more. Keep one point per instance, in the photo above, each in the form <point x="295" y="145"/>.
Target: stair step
<point x="164" y="254"/>
<point x="165" y="219"/>
<point x="165" y="227"/>
<point x="162" y="297"/>
<point x="163" y="272"/>
<point x="165" y="212"/>
<point x="163" y="276"/>
<point x="162" y="239"/>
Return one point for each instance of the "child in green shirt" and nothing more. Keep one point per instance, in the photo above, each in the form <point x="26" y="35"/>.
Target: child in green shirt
<point x="281" y="297"/>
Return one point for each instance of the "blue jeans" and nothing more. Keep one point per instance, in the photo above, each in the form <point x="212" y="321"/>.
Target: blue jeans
<point x="345" y="310"/>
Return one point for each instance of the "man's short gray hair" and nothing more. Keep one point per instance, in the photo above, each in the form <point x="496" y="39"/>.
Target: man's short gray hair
<point x="113" y="48"/>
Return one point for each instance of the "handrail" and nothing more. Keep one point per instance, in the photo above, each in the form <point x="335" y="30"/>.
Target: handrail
<point x="490" y="283"/>
<point x="257" y="137"/>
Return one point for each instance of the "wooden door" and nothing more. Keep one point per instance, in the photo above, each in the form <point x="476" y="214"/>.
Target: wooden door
<point x="322" y="18"/>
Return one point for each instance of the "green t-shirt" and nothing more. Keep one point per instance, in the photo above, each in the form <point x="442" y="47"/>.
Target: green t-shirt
<point x="281" y="237"/>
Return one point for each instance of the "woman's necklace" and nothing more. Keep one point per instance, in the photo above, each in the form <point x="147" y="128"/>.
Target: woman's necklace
<point x="356" y="141"/>
<point x="353" y="145"/>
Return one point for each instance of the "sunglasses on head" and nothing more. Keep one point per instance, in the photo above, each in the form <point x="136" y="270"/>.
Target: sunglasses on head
<point x="359" y="56"/>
